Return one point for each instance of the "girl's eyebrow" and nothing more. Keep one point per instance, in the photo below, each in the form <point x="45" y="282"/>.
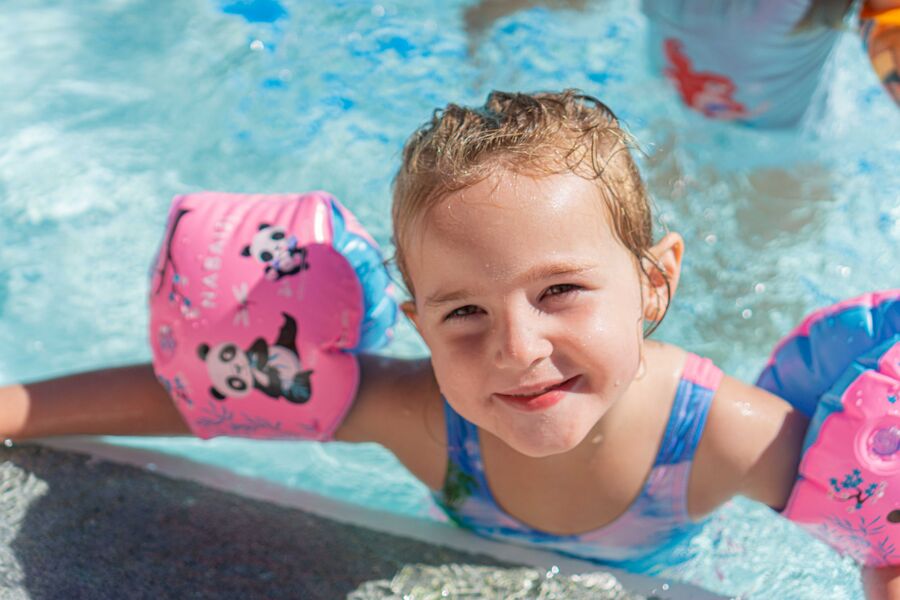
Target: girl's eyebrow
<point x="536" y="273"/>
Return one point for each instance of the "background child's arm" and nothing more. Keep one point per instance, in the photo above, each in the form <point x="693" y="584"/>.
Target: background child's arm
<point x="880" y="30"/>
<point x="399" y="406"/>
<point x="119" y="401"/>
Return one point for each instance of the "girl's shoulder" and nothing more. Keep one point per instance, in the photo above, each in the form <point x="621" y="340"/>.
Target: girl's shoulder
<point x="750" y="446"/>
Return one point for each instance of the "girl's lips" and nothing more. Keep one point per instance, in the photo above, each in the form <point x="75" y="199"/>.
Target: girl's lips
<point x="541" y="401"/>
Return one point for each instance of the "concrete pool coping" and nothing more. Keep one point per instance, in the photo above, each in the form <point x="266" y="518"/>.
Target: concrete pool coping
<point x="85" y="519"/>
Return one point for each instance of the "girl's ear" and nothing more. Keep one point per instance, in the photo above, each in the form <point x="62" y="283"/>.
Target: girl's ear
<point x="409" y="309"/>
<point x="661" y="275"/>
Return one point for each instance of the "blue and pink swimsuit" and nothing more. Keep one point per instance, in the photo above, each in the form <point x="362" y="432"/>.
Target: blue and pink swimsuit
<point x="656" y="520"/>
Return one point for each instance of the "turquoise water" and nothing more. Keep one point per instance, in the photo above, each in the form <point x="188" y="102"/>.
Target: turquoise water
<point x="109" y="108"/>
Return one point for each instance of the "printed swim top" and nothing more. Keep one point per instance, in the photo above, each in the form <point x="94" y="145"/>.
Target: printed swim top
<point x="740" y="59"/>
<point x="656" y="520"/>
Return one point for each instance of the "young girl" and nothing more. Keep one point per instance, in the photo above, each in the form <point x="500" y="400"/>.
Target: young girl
<point x="524" y="237"/>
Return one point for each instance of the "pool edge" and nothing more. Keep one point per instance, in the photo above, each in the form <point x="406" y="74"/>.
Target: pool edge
<point x="421" y="530"/>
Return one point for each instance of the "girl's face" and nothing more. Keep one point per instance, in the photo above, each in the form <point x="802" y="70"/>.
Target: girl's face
<point x="531" y="307"/>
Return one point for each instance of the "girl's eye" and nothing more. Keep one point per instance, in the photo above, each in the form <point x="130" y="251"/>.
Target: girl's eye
<point x="560" y="290"/>
<point x="462" y="312"/>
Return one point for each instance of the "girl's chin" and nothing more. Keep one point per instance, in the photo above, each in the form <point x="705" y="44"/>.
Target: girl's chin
<point x="545" y="444"/>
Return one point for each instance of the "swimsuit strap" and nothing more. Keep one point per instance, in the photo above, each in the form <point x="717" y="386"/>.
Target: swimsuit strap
<point x="465" y="478"/>
<point x="668" y="481"/>
<point x="460" y="431"/>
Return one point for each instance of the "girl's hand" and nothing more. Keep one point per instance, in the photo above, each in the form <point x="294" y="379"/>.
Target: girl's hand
<point x="882" y="583"/>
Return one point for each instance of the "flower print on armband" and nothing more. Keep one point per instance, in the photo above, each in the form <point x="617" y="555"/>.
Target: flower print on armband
<point x="853" y="488"/>
<point x="167" y="272"/>
<point x="281" y="254"/>
<point x="165" y="341"/>
<point x="176" y="389"/>
<point x="860" y="537"/>
<point x="217" y="417"/>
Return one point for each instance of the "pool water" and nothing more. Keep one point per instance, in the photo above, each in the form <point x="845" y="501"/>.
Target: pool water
<point x="110" y="108"/>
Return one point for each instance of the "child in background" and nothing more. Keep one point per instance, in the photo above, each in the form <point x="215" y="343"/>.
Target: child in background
<point x="760" y="62"/>
<point x="524" y="237"/>
<point x="757" y="62"/>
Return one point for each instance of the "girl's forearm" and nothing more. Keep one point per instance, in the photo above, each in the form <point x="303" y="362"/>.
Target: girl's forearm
<point x="882" y="583"/>
<point x="118" y="401"/>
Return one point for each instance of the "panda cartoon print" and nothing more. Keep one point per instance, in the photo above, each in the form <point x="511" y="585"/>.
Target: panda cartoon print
<point x="279" y="252"/>
<point x="275" y="369"/>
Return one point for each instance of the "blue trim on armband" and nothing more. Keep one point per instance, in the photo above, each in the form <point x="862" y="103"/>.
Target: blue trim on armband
<point x="380" y="308"/>
<point x="805" y="367"/>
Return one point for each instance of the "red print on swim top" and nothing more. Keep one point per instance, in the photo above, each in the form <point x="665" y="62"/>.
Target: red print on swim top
<point x="708" y="93"/>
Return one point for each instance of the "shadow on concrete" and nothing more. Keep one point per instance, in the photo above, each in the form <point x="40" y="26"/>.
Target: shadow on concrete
<point x="76" y="527"/>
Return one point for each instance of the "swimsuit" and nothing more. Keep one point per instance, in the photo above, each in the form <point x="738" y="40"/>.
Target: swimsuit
<point x="656" y="520"/>
<point x="740" y="59"/>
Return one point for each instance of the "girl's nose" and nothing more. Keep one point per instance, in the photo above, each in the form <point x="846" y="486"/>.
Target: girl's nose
<point x="520" y="340"/>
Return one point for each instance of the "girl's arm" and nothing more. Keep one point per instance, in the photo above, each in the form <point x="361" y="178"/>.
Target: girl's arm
<point x="751" y="446"/>
<point x="881" y="584"/>
<point x="399" y="407"/>
<point x="117" y="401"/>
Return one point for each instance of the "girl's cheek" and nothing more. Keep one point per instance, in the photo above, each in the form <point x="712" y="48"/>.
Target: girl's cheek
<point x="466" y="343"/>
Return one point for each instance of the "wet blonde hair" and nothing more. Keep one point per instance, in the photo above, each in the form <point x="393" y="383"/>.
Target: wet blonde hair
<point x="535" y="134"/>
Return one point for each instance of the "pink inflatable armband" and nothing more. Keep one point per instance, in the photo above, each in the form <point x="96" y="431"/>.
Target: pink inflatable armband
<point x="841" y="366"/>
<point x="257" y="306"/>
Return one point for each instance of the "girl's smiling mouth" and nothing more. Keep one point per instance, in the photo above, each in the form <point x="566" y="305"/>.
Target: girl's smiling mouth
<point x="536" y="398"/>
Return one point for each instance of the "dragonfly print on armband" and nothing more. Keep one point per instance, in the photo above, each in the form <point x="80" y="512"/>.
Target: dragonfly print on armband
<point x="242" y="311"/>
